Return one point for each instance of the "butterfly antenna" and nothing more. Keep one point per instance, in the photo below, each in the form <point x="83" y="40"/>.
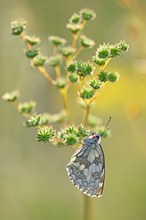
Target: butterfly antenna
<point x="106" y="126"/>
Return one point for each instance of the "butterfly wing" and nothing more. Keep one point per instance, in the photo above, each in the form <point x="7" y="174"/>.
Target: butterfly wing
<point x="86" y="169"/>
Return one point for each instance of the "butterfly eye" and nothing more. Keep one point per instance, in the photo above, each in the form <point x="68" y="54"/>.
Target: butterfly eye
<point x="98" y="136"/>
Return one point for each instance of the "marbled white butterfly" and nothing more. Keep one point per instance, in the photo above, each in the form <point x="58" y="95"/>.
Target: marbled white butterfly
<point x="86" y="168"/>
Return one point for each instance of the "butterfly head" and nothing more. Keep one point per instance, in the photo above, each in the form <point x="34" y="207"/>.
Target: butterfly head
<point x="92" y="138"/>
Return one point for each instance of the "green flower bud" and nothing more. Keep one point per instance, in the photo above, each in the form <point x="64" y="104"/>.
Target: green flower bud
<point x="32" y="40"/>
<point x="114" y="51"/>
<point x="17" y="27"/>
<point x="104" y="133"/>
<point x="11" y="96"/>
<point x="87" y="14"/>
<point x="86" y="42"/>
<point x="39" y="60"/>
<point x="87" y="94"/>
<point x="72" y="67"/>
<point x="60" y="83"/>
<point x="55" y="60"/>
<point x="74" y="28"/>
<point x="75" y="18"/>
<point x="45" y="134"/>
<point x="82" y="132"/>
<point x="84" y="69"/>
<point x="67" y="51"/>
<point x="69" y="135"/>
<point x="32" y="53"/>
<point x="113" y="77"/>
<point x="57" y="41"/>
<point x="71" y="140"/>
<point x="33" y="121"/>
<point x="73" y="77"/>
<point x="103" y="51"/>
<point x="95" y="84"/>
<point x="103" y="76"/>
<point x="26" y="107"/>
<point x="97" y="60"/>
<point x="123" y="46"/>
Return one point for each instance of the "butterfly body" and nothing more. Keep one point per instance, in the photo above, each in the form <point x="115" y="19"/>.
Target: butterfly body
<point x="86" y="168"/>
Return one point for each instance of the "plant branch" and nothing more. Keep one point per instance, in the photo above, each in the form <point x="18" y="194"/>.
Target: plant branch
<point x="40" y="68"/>
<point x="87" y="208"/>
<point x="77" y="53"/>
<point x="58" y="71"/>
<point x="63" y="93"/>
<point x="77" y="35"/>
<point x="86" y="114"/>
<point x="45" y="74"/>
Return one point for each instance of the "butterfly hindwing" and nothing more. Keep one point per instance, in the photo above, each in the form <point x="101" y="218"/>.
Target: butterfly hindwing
<point x="86" y="168"/>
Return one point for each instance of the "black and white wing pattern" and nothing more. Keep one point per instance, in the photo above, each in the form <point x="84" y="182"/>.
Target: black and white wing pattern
<point x="86" y="168"/>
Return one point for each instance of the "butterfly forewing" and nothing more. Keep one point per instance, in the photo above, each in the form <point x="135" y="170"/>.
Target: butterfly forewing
<point x="86" y="168"/>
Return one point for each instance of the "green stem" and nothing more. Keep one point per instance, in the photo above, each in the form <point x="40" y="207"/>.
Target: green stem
<point x="63" y="93"/>
<point x="75" y="39"/>
<point x="77" y="35"/>
<point x="45" y="74"/>
<point x="77" y="53"/>
<point x="42" y="69"/>
<point x="86" y="114"/>
<point x="58" y="71"/>
<point x="87" y="215"/>
<point x="87" y="208"/>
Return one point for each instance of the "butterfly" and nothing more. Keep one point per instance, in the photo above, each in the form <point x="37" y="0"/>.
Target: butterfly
<point x="86" y="168"/>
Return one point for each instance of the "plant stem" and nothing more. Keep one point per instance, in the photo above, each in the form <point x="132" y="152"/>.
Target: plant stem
<point x="87" y="215"/>
<point x="77" y="35"/>
<point x="87" y="208"/>
<point x="45" y="74"/>
<point x="75" y="39"/>
<point x="40" y="68"/>
<point x="58" y="72"/>
<point x="77" y="53"/>
<point x="63" y="93"/>
<point x="86" y="114"/>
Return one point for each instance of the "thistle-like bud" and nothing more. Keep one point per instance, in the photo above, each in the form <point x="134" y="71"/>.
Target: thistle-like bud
<point x="103" y="76"/>
<point x="67" y="51"/>
<point x="39" y="60"/>
<point x="87" y="14"/>
<point x="17" y="27"/>
<point x="60" y="83"/>
<point x="95" y="84"/>
<point x="86" y="42"/>
<point x="55" y="60"/>
<point x="74" y="28"/>
<point x="32" y="40"/>
<point x="26" y="107"/>
<point x="57" y="41"/>
<point x="73" y="77"/>
<point x="11" y="96"/>
<point x="113" y="77"/>
<point x="87" y="93"/>
<point x="81" y="68"/>
<point x="32" y="53"/>
<point x="75" y="18"/>
<point x="33" y="121"/>
<point x="45" y="134"/>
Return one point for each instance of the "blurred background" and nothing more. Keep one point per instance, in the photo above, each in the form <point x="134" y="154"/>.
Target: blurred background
<point x="33" y="180"/>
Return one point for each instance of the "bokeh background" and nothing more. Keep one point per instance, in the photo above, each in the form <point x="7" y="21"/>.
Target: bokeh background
<point x="33" y="179"/>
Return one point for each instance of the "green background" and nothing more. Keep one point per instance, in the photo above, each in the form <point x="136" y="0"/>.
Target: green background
<point x="33" y="180"/>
